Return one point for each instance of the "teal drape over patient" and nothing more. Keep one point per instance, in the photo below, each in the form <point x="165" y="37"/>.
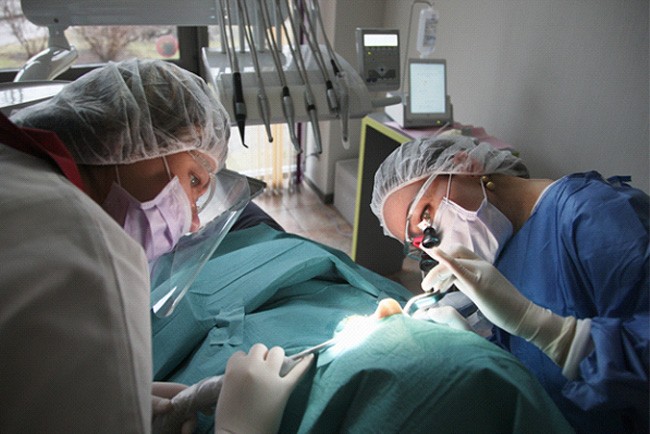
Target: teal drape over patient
<point x="407" y="376"/>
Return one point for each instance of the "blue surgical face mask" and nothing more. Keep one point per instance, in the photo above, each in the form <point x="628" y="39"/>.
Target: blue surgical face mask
<point x="156" y="224"/>
<point x="484" y="231"/>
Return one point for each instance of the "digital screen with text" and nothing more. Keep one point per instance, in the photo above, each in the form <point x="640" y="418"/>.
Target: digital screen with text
<point x="427" y="88"/>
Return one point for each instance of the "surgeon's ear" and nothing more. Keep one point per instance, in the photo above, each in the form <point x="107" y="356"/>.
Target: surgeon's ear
<point x="387" y="307"/>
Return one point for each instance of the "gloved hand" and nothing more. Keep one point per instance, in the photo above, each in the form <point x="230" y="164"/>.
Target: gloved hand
<point x="161" y="406"/>
<point x="503" y="304"/>
<point x="254" y="394"/>
<point x="446" y="315"/>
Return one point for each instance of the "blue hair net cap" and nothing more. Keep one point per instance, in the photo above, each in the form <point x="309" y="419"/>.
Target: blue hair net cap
<point x="131" y="111"/>
<point x="432" y="156"/>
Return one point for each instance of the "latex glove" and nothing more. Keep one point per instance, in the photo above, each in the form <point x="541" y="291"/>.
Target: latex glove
<point x="161" y="405"/>
<point x="202" y="396"/>
<point x="254" y="395"/>
<point x="184" y="405"/>
<point x="503" y="304"/>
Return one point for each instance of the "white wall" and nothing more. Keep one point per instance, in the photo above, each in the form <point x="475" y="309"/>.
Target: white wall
<point x="565" y="81"/>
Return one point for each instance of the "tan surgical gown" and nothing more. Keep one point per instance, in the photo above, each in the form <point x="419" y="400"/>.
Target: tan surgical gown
<point x="75" y="340"/>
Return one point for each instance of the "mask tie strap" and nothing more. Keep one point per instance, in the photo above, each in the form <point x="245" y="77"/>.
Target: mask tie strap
<point x="169" y="173"/>
<point x="448" y="186"/>
<point x="117" y="176"/>
<point x="483" y="188"/>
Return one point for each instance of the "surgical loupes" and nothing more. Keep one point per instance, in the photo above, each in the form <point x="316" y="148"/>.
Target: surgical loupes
<point x="262" y="99"/>
<point x="287" y="100"/>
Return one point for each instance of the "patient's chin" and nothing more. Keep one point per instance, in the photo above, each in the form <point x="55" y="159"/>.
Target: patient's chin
<point x="387" y="307"/>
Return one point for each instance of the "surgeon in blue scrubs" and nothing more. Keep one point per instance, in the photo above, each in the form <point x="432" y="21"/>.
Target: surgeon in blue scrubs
<point x="559" y="267"/>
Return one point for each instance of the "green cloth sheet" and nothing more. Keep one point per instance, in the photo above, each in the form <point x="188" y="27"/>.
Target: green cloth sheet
<point x="406" y="376"/>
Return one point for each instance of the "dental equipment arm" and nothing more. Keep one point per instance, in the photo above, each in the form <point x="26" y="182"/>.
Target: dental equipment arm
<point x="505" y="306"/>
<point x="332" y="98"/>
<point x="290" y="116"/>
<point x="262" y="99"/>
<point x="341" y="80"/>
<point x="344" y="100"/>
<point x="308" y="95"/>
<point x="239" y="105"/>
<point x="51" y="62"/>
<point x="287" y="101"/>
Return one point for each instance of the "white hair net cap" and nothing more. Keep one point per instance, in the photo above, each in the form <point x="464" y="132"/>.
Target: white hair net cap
<point x="433" y="156"/>
<point x="132" y="111"/>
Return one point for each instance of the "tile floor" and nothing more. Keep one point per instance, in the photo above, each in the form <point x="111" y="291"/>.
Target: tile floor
<point x="303" y="213"/>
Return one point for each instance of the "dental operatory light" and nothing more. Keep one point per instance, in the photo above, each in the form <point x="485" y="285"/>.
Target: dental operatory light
<point x="52" y="61"/>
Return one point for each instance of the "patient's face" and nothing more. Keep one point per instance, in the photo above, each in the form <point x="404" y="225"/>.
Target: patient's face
<point x="387" y="307"/>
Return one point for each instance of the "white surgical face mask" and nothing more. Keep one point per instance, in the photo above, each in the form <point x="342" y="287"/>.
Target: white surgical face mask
<point x="483" y="231"/>
<point x="156" y="224"/>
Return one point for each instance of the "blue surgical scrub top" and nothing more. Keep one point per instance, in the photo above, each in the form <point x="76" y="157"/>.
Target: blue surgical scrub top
<point x="584" y="252"/>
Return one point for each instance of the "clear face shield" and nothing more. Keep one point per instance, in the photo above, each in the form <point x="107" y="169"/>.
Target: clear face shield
<point x="173" y="273"/>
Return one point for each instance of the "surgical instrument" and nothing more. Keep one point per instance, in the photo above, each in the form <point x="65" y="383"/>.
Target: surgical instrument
<point x="262" y="99"/>
<point x="435" y="297"/>
<point x="314" y="349"/>
<point x="287" y="100"/>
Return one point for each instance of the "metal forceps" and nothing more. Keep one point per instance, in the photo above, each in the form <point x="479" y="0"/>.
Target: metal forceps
<point x="314" y="349"/>
<point x="291" y="361"/>
<point x="435" y="297"/>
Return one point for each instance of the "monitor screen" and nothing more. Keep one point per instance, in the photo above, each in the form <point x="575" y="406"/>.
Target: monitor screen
<point x="428" y="87"/>
<point x="380" y="40"/>
<point x="428" y="103"/>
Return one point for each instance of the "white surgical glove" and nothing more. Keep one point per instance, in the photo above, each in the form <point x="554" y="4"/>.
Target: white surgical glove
<point x="503" y="304"/>
<point x="161" y="405"/>
<point x="446" y="315"/>
<point x="254" y="394"/>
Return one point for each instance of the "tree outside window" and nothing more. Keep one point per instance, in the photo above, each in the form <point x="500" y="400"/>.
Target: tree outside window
<point x="20" y="40"/>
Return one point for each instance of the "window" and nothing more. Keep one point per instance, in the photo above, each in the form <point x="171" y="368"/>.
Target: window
<point x="274" y="162"/>
<point x="20" y="40"/>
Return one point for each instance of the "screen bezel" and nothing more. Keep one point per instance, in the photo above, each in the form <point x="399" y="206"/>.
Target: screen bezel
<point x="379" y="58"/>
<point x="426" y="119"/>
